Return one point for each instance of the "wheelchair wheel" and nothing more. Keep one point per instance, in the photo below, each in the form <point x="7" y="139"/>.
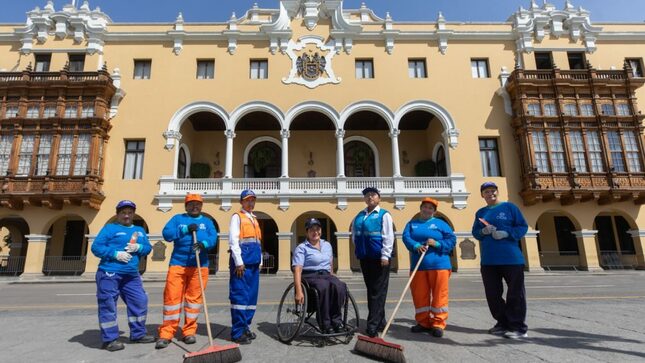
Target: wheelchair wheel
<point x="290" y="315"/>
<point x="351" y="318"/>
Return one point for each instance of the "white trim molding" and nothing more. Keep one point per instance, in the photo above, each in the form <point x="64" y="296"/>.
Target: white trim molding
<point x="450" y="134"/>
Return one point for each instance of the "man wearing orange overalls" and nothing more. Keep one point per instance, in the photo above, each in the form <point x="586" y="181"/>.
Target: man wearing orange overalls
<point x="182" y="281"/>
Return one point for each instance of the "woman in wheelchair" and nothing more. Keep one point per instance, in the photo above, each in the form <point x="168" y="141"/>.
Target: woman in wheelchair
<point x="312" y="262"/>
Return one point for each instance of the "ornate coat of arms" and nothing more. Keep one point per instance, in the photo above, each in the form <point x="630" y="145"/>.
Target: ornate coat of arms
<point x="310" y="67"/>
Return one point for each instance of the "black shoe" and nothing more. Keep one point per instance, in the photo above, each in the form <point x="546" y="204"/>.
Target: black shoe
<point x="144" y="339"/>
<point x="251" y="335"/>
<point x="338" y="327"/>
<point x="190" y="339"/>
<point x="242" y="340"/>
<point x="162" y="343"/>
<point x="437" y="332"/>
<point x="371" y="333"/>
<point x="113" y="346"/>
<point x="419" y="329"/>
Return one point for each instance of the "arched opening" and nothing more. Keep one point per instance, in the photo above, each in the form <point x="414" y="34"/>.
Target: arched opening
<point x="307" y="158"/>
<point x="66" y="250"/>
<point x="182" y="167"/>
<point x="364" y="130"/>
<point x="328" y="232"/>
<point x="203" y="142"/>
<point x="258" y="139"/>
<point x="420" y="131"/>
<point x="615" y="245"/>
<point x="264" y="161"/>
<point x="270" y="253"/>
<point x="558" y="246"/>
<point x="359" y="160"/>
<point x="13" y="245"/>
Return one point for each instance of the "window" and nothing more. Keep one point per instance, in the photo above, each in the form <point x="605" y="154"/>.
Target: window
<point x="557" y="152"/>
<point x="25" y="154"/>
<point x="100" y="161"/>
<point x="586" y="109"/>
<point x="364" y="68"/>
<point x="607" y="109"/>
<point x="142" y="68"/>
<point x="76" y="62"/>
<point x="33" y="111"/>
<point x="576" y="60"/>
<point x="578" y="151"/>
<point x="6" y="142"/>
<point x="417" y="68"/>
<point x="11" y="111"/>
<point x="259" y="69"/>
<point x="570" y="109"/>
<point x="489" y="157"/>
<point x="64" y="154"/>
<point x="42" y="62"/>
<point x="533" y="109"/>
<point x="479" y="68"/>
<point x="82" y="154"/>
<point x="543" y="60"/>
<point x="71" y="110"/>
<point x="631" y="152"/>
<point x="181" y="164"/>
<point x="595" y="152"/>
<point x="205" y="69"/>
<point x="42" y="159"/>
<point x="616" y="151"/>
<point x="637" y="66"/>
<point x="622" y="109"/>
<point x="133" y="166"/>
<point x="549" y="109"/>
<point x="541" y="153"/>
<point x="50" y="111"/>
<point x="88" y="109"/>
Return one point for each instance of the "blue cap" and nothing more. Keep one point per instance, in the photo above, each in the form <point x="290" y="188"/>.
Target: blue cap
<point x="125" y="204"/>
<point x="487" y="185"/>
<point x="312" y="222"/>
<point x="370" y="190"/>
<point x="248" y="193"/>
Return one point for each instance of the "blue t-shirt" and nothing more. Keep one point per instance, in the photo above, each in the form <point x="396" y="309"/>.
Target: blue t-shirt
<point x="418" y="231"/>
<point x="312" y="259"/>
<point x="182" y="253"/>
<point x="113" y="238"/>
<point x="506" y="217"/>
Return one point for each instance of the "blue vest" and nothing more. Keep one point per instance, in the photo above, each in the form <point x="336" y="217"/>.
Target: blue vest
<point x="367" y="235"/>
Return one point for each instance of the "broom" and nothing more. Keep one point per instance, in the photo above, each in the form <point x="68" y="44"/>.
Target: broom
<point x="213" y="353"/>
<point x="377" y="347"/>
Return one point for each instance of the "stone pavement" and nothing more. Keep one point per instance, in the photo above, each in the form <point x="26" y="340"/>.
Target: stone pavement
<point x="591" y="323"/>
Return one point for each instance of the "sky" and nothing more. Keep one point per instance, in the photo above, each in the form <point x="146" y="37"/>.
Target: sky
<point x="122" y="11"/>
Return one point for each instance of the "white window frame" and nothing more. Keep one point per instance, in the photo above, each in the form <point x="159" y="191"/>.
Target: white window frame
<point x="133" y="160"/>
<point x="205" y="69"/>
<point x="364" y="68"/>
<point x="142" y="69"/>
<point x="417" y="68"/>
<point x="479" y="68"/>
<point x="259" y="69"/>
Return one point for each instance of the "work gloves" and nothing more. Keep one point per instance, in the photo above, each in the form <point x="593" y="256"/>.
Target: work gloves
<point x="488" y="229"/>
<point x="123" y="256"/>
<point x="132" y="247"/>
<point x="198" y="246"/>
<point x="500" y="234"/>
<point x="189" y="228"/>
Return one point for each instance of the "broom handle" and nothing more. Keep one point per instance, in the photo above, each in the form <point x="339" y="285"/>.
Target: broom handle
<point x="414" y="272"/>
<point x="201" y="286"/>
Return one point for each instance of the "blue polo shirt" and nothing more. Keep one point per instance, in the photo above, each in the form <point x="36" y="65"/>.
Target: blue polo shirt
<point x="312" y="259"/>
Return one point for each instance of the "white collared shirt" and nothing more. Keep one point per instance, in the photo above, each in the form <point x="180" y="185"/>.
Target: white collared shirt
<point x="234" y="237"/>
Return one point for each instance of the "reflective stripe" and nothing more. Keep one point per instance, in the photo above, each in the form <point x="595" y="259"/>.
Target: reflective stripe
<point x="171" y="317"/>
<point x="193" y="306"/>
<point x="249" y="240"/>
<point x="192" y="315"/>
<point x="134" y="319"/>
<point x="171" y="307"/>
<point x="360" y="233"/>
<point x="109" y="324"/>
<point x="424" y="309"/>
<point x="243" y="307"/>
<point x="443" y="309"/>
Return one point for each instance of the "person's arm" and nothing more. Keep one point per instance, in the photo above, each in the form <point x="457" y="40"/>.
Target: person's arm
<point x="211" y="235"/>
<point x="171" y="231"/>
<point x="234" y="240"/>
<point x="519" y="226"/>
<point x="143" y="240"/>
<point x="478" y="225"/>
<point x="297" y="278"/>
<point x="100" y="246"/>
<point x="388" y="239"/>
<point x="448" y="239"/>
<point x="408" y="241"/>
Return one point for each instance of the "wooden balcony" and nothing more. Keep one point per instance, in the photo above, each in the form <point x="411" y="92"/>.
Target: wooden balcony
<point x="29" y="78"/>
<point x="51" y="191"/>
<point x="582" y="77"/>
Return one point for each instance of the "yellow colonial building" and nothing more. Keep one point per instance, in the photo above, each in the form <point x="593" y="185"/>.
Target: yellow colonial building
<point x="308" y="103"/>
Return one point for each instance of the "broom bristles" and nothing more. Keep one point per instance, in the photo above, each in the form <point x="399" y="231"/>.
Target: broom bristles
<point x="215" y="354"/>
<point x="379" y="349"/>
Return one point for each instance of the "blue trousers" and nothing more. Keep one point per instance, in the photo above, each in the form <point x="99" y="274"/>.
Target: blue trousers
<point x="243" y="293"/>
<point x="109" y="286"/>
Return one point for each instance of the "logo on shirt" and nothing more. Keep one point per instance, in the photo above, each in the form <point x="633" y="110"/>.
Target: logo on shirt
<point x="432" y="226"/>
<point x="502" y="216"/>
<point x="120" y="234"/>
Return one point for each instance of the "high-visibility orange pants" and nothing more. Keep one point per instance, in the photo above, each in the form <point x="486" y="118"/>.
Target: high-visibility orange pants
<point x="430" y="297"/>
<point x="182" y="287"/>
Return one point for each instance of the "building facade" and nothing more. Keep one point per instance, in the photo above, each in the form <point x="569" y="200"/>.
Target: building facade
<point x="307" y="104"/>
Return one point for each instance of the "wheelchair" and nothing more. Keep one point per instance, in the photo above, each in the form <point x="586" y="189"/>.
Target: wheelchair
<point x="302" y="320"/>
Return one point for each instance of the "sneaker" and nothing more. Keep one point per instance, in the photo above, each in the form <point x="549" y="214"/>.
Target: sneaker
<point x="371" y="333"/>
<point x="497" y="330"/>
<point x="338" y="327"/>
<point x="113" y="346"/>
<point x="190" y="339"/>
<point x="144" y="339"/>
<point x="162" y="343"/>
<point x="436" y="332"/>
<point x="242" y="340"/>
<point x="515" y="335"/>
<point x="251" y="335"/>
<point x="419" y="329"/>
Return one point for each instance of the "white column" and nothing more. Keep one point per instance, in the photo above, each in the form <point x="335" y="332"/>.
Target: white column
<point x="396" y="165"/>
<point x="340" y="153"/>
<point x="228" y="168"/>
<point x="285" y="152"/>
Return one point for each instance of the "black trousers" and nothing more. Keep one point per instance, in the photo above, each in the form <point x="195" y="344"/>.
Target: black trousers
<point x="376" y="279"/>
<point x="331" y="297"/>
<point x="510" y="314"/>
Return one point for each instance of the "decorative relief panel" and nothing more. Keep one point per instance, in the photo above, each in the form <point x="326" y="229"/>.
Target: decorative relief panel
<point x="311" y="62"/>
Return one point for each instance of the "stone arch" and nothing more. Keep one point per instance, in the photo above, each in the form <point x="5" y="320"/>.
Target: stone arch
<point x="558" y="248"/>
<point x="172" y="134"/>
<point x="13" y="245"/>
<point x="256" y="106"/>
<point x="312" y="106"/>
<point x="270" y="243"/>
<point x="67" y="246"/>
<point x="372" y="106"/>
<point x="451" y="132"/>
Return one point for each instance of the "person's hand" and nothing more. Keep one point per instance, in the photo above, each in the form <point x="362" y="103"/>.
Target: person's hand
<point x="385" y="262"/>
<point x="132" y="247"/>
<point x="300" y="298"/>
<point x="431" y="242"/>
<point x="123" y="256"/>
<point x="488" y="229"/>
<point x="183" y="229"/>
<point x="500" y="234"/>
<point x="422" y="248"/>
<point x="239" y="271"/>
<point x="198" y="246"/>
<point x="192" y="228"/>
